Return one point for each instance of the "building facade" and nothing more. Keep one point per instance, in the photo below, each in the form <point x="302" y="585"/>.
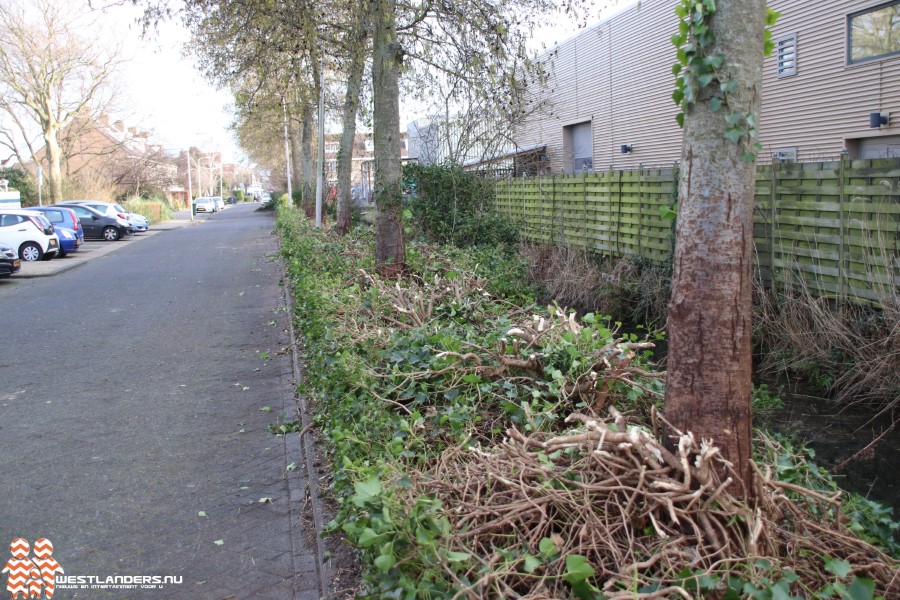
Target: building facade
<point x="831" y="85"/>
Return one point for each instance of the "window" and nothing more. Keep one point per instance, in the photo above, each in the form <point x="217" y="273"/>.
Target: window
<point x="578" y="143"/>
<point x="786" y="51"/>
<point x="874" y="33"/>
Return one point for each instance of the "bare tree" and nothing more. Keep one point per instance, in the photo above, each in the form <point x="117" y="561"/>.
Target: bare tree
<point x="49" y="75"/>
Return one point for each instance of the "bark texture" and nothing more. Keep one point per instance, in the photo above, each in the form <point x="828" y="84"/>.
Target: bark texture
<point x="355" y="70"/>
<point x="709" y="365"/>
<point x="307" y="182"/>
<point x="390" y="250"/>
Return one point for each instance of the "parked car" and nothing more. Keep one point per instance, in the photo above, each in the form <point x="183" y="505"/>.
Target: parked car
<point x="220" y="204"/>
<point x="107" y="208"/>
<point x="29" y="233"/>
<point x="98" y="225"/>
<point x="207" y="205"/>
<point x="139" y="222"/>
<point x="266" y="197"/>
<point x="68" y="241"/>
<point x="9" y="261"/>
<point x="63" y="217"/>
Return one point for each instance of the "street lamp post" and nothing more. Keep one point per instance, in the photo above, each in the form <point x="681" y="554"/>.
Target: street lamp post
<point x="190" y="201"/>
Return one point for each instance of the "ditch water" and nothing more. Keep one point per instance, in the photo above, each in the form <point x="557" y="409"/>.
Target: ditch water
<point x="835" y="435"/>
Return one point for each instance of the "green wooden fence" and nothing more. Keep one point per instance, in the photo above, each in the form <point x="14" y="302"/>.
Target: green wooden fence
<point x="834" y="226"/>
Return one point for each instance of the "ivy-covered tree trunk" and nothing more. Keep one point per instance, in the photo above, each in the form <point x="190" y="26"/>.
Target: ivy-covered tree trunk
<point x="348" y="132"/>
<point x="708" y="387"/>
<point x="390" y="250"/>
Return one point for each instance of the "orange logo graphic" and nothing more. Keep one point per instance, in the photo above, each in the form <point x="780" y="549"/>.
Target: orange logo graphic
<point x="31" y="576"/>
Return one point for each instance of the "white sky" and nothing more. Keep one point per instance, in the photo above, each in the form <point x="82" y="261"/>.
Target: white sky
<point x="169" y="98"/>
<point x="165" y="94"/>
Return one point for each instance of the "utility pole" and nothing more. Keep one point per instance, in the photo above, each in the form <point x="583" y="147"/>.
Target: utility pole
<point x="287" y="152"/>
<point x="320" y="175"/>
<point x="190" y="199"/>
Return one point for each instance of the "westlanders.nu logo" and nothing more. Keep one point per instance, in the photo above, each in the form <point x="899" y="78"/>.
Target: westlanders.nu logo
<point x="31" y="577"/>
<point x="39" y="576"/>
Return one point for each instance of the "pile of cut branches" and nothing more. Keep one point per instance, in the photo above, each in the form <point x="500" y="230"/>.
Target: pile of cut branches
<point x="607" y="507"/>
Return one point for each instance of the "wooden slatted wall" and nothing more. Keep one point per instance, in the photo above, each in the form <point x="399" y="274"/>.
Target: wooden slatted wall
<point x="834" y="226"/>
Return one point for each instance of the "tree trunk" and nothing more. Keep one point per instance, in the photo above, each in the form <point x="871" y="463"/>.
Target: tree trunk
<point x="54" y="170"/>
<point x="348" y="131"/>
<point x="348" y="135"/>
<point x="308" y="178"/>
<point x="390" y="250"/>
<point x="709" y="364"/>
<point x="294" y="145"/>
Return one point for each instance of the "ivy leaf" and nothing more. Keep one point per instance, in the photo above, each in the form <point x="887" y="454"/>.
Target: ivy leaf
<point x="771" y="17"/>
<point x="734" y="134"/>
<point x="669" y="212"/>
<point x="710" y="6"/>
<point x="679" y="118"/>
<point x="366" y="491"/>
<point x="548" y="548"/>
<point x="733" y="118"/>
<point x="577" y="569"/>
<point x="531" y="563"/>
<point x="748" y="157"/>
<point x="715" y="61"/>
<point x="840" y="568"/>
<point x="385" y="562"/>
<point x="678" y="96"/>
<point x="678" y="40"/>
<point x="367" y="537"/>
<point x="715" y="104"/>
<point x="676" y="68"/>
<point x="861" y="589"/>
<point x="706" y="79"/>
<point x="681" y="11"/>
<point x="729" y="86"/>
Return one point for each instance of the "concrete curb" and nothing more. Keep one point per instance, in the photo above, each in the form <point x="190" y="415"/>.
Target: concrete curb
<point x="303" y="445"/>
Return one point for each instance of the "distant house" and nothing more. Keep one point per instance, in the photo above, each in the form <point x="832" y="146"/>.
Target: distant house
<point x="834" y="73"/>
<point x="113" y="155"/>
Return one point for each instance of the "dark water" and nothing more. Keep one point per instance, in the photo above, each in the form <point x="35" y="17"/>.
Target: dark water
<point x="836" y="435"/>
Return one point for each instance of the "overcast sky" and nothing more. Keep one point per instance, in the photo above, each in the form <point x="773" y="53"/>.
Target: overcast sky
<point x="169" y="97"/>
<point x="165" y="94"/>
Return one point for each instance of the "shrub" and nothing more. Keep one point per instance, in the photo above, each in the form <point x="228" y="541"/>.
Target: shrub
<point x="22" y="182"/>
<point x="156" y="209"/>
<point x="451" y="205"/>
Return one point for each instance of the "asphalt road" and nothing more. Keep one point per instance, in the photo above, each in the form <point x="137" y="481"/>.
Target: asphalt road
<point x="135" y="392"/>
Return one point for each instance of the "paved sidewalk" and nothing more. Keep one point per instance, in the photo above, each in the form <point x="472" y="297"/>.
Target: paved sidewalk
<point x="92" y="249"/>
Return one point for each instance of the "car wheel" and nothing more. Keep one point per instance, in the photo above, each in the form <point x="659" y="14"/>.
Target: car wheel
<point x="30" y="251"/>
<point x="110" y="234"/>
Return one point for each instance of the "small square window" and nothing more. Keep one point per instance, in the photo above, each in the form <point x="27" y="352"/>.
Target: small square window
<point x="786" y="54"/>
<point x="874" y="33"/>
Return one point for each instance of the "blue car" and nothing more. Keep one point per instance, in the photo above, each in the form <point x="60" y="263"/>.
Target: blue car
<point x="64" y="218"/>
<point x="68" y="240"/>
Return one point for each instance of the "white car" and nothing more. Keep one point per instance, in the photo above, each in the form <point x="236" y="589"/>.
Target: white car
<point x="205" y="205"/>
<point x="29" y="233"/>
<point x="220" y="204"/>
